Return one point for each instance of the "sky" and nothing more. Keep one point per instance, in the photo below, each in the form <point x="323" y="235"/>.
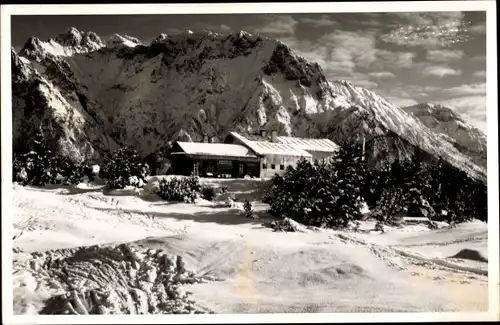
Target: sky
<point x="408" y="58"/>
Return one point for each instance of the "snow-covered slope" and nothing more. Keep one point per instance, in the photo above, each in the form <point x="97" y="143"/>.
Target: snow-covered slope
<point x="452" y="127"/>
<point x="122" y="40"/>
<point x="181" y="86"/>
<point x="257" y="270"/>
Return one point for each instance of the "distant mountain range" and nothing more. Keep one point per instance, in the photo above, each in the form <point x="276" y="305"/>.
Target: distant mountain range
<point x="91" y="94"/>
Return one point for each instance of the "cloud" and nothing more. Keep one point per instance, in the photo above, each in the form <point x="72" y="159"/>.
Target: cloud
<point x="430" y="88"/>
<point x="479" y="29"/>
<point x="472" y="109"/>
<point x="175" y="31"/>
<point x="453" y="18"/>
<point x="444" y="55"/>
<point x="361" y="82"/>
<point x="322" y="21"/>
<point x="395" y="59"/>
<point x="342" y="53"/>
<point x="370" y="19"/>
<point x="480" y="74"/>
<point x="408" y="94"/>
<point x="479" y="58"/>
<point x="277" y="25"/>
<point x="382" y="74"/>
<point x="466" y="90"/>
<point x="440" y="71"/>
<point x="222" y="28"/>
<point x="311" y="51"/>
<point x="401" y="102"/>
<point x="347" y="50"/>
<point x="338" y="53"/>
<point x="427" y="29"/>
<point x="225" y="28"/>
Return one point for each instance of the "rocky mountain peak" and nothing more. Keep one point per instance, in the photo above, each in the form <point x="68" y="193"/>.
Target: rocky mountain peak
<point x="160" y="38"/>
<point x="66" y="44"/>
<point x="437" y="111"/>
<point x="243" y="33"/>
<point x="122" y="40"/>
<point x="77" y="39"/>
<point x="449" y="125"/>
<point x="72" y="37"/>
<point x="32" y="45"/>
<point x="345" y="83"/>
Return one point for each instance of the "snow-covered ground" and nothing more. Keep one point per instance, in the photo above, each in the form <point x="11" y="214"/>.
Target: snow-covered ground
<point x="254" y="269"/>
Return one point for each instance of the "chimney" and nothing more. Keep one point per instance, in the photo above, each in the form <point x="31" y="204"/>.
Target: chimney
<point x="263" y="133"/>
<point x="205" y="138"/>
<point x="274" y="136"/>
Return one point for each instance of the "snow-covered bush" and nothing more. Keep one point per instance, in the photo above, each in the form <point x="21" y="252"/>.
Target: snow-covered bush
<point x="331" y="194"/>
<point x="225" y="198"/>
<point x="323" y="194"/>
<point x="390" y="204"/>
<point x="248" y="209"/>
<point x="124" y="167"/>
<point x="95" y="169"/>
<point x="454" y="191"/>
<point x="421" y="189"/>
<point x="179" y="189"/>
<point x="208" y="193"/>
<point x="43" y="166"/>
<point x="34" y="167"/>
<point x="287" y="225"/>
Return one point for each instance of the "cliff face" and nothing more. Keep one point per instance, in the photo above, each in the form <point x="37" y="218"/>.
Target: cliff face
<point x="92" y="94"/>
<point x="452" y="128"/>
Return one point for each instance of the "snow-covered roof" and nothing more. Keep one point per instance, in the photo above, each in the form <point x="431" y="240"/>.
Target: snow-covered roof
<point x="271" y="148"/>
<point x="216" y="149"/>
<point x="324" y="145"/>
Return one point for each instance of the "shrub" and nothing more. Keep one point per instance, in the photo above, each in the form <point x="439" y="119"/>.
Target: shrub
<point x="323" y="194"/>
<point x="208" y="193"/>
<point x="379" y="226"/>
<point x="34" y="167"/>
<point x="286" y="225"/>
<point x="179" y="189"/>
<point x="390" y="204"/>
<point x="426" y="190"/>
<point x="124" y="167"/>
<point x="376" y="182"/>
<point x="42" y="166"/>
<point x="247" y="206"/>
<point x="328" y="194"/>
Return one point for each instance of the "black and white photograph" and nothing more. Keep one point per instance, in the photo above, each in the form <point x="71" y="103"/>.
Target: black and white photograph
<point x="300" y="159"/>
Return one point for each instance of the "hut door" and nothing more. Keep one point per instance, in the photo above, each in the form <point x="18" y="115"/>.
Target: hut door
<point x="240" y="169"/>
<point x="210" y="168"/>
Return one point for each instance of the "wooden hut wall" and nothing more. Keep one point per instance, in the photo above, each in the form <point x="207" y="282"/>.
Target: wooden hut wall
<point x="181" y="164"/>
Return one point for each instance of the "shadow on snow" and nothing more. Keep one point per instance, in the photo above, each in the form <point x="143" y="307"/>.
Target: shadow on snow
<point x="218" y="216"/>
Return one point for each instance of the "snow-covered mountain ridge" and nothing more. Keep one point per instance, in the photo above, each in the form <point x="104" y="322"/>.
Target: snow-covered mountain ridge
<point x="92" y="94"/>
<point x="453" y="128"/>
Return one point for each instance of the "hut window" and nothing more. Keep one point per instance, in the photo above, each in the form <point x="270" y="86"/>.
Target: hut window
<point x="264" y="166"/>
<point x="282" y="166"/>
<point x="273" y="166"/>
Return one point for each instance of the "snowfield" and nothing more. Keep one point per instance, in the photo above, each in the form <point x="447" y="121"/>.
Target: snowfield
<point x="248" y="268"/>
